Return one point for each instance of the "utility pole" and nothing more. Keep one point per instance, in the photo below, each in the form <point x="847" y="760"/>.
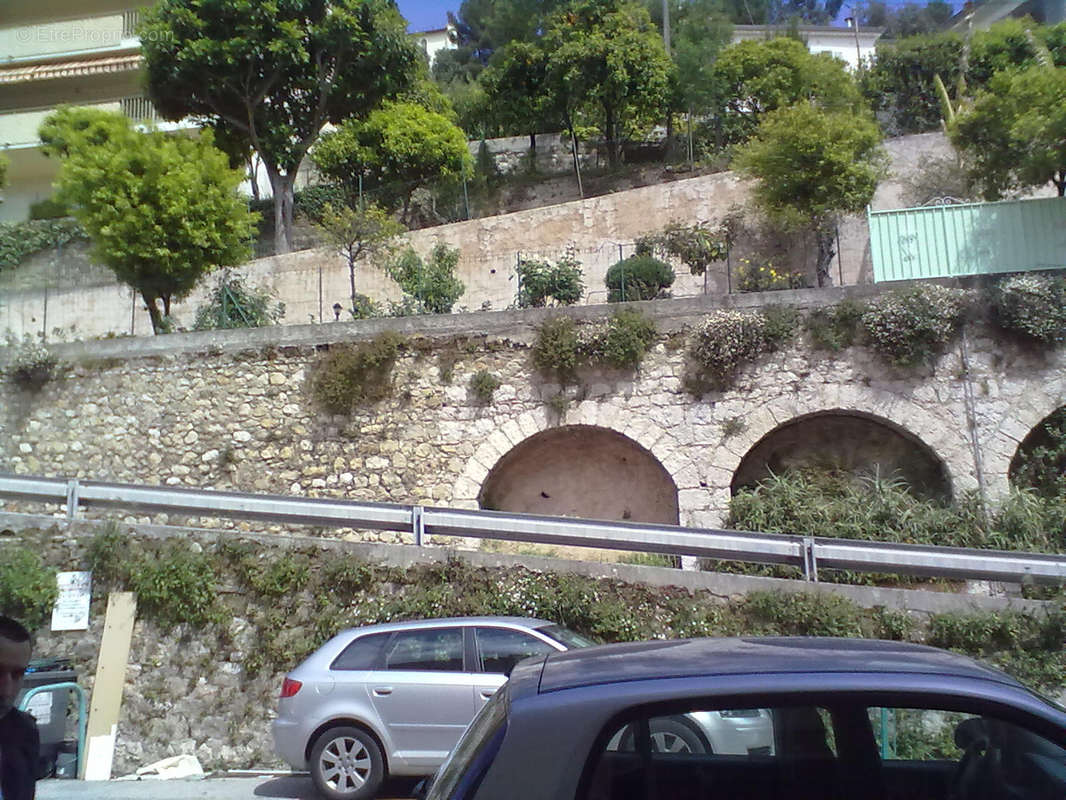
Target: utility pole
<point x="853" y="23"/>
<point x="666" y="25"/>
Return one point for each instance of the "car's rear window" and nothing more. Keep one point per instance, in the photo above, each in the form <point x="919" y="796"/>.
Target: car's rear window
<point x="363" y="653"/>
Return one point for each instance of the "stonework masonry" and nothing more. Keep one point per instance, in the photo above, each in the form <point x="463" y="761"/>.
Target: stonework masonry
<point x="232" y="410"/>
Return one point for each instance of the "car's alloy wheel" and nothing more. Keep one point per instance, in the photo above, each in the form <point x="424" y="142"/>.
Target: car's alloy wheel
<point x="346" y="764"/>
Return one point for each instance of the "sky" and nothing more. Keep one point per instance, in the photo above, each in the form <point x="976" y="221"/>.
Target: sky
<point x="427" y="15"/>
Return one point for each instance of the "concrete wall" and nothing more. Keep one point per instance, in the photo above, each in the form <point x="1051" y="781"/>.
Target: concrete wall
<point x="601" y="229"/>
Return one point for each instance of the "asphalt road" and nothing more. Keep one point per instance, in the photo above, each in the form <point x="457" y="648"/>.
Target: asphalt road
<point x="280" y="787"/>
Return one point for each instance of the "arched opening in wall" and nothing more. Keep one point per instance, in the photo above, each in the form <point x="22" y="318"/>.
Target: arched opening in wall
<point x="1040" y="461"/>
<point x="849" y="441"/>
<point x="582" y="471"/>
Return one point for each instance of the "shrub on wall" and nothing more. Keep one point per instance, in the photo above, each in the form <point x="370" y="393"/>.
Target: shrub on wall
<point x="836" y="327"/>
<point x="483" y="384"/>
<point x="638" y="277"/>
<point x="351" y="374"/>
<point x="34" y="364"/>
<point x="27" y="587"/>
<point x="1033" y="306"/>
<point x="728" y="338"/>
<point x="21" y="239"/>
<point x="621" y="343"/>
<point x="911" y="326"/>
<point x="562" y="347"/>
<point x="541" y="283"/>
<point x="766" y="277"/>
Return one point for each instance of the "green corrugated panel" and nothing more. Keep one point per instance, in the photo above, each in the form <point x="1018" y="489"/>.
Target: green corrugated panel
<point x="968" y="239"/>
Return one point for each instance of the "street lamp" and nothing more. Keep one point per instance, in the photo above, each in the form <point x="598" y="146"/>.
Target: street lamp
<point x="337" y="308"/>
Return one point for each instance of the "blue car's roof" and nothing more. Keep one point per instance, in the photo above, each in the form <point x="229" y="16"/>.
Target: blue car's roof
<point x="687" y="658"/>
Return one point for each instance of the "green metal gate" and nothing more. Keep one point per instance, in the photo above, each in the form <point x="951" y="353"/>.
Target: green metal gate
<point x="968" y="239"/>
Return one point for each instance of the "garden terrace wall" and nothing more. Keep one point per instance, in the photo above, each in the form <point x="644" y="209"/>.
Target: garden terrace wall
<point x="232" y="410"/>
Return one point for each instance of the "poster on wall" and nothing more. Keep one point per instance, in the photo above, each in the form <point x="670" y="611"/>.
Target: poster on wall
<point x="71" y="611"/>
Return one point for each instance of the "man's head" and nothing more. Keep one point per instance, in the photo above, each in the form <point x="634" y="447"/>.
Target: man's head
<point x="14" y="658"/>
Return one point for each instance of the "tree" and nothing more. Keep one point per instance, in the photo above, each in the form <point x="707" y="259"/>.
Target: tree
<point x="702" y="31"/>
<point x="515" y="84"/>
<point x="541" y="283"/>
<point x="432" y="283"/>
<point x="756" y="77"/>
<point x="639" y="277"/>
<point x="900" y="82"/>
<point x="910" y="19"/>
<point x="396" y="148"/>
<point x="359" y="234"/>
<point x="1012" y="138"/>
<point x="779" y="12"/>
<point x="606" y="63"/>
<point x="276" y="73"/>
<point x="161" y="210"/>
<point x="813" y="166"/>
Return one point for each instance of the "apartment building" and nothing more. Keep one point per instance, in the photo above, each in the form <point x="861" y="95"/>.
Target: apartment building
<point x="84" y="52"/>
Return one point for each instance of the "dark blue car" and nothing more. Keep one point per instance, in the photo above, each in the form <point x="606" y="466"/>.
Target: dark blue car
<point x="848" y="720"/>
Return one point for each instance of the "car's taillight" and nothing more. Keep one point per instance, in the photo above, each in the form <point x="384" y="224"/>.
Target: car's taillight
<point x="289" y="687"/>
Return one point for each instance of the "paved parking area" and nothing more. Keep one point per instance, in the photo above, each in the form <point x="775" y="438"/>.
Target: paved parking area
<point x="250" y="787"/>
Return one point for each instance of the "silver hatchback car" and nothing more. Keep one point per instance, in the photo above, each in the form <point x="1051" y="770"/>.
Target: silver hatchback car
<point x="394" y="699"/>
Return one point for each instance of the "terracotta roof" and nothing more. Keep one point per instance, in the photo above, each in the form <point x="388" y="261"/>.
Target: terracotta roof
<point x="70" y="69"/>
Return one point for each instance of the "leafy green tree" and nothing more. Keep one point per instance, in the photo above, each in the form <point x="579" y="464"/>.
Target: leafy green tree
<point x="515" y="85"/>
<point x="757" y="77"/>
<point x="276" y="73"/>
<point x="161" y="210"/>
<point x="910" y="19"/>
<point x="234" y="304"/>
<point x="396" y="148"/>
<point x="900" y="84"/>
<point x="702" y="30"/>
<point x="432" y="283"/>
<point x="607" y="64"/>
<point x="359" y="234"/>
<point x="778" y="12"/>
<point x="1012" y="137"/>
<point x="812" y="167"/>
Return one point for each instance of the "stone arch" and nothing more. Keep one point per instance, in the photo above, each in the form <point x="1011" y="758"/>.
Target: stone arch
<point x="1036" y="437"/>
<point x="849" y="439"/>
<point x="582" y="471"/>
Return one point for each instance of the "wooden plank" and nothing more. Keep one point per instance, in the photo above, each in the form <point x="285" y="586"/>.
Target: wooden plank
<point x="107" y="689"/>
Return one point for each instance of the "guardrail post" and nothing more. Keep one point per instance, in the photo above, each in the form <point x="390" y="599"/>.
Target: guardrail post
<point x="72" y="499"/>
<point x="418" y="525"/>
<point x="810" y="560"/>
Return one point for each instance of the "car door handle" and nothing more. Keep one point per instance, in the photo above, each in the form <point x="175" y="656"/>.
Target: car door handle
<point x="382" y="691"/>
<point x="487" y="693"/>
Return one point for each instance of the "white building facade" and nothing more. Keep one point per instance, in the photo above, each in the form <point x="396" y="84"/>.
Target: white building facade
<point x="848" y="44"/>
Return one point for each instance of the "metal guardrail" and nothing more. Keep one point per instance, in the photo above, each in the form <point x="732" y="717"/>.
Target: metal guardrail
<point x="806" y="552"/>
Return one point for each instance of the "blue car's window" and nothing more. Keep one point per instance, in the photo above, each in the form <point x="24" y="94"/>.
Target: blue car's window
<point x="845" y="749"/>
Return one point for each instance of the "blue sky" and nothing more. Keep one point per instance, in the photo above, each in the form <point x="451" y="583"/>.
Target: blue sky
<point x="427" y="15"/>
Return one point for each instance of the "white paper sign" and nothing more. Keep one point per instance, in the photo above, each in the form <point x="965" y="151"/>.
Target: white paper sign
<point x="40" y="706"/>
<point x="71" y="611"/>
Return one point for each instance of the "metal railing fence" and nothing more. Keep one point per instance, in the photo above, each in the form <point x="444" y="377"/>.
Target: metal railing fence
<point x="809" y="553"/>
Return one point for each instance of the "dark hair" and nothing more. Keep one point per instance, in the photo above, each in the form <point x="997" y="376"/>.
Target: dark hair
<point x="13" y="629"/>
